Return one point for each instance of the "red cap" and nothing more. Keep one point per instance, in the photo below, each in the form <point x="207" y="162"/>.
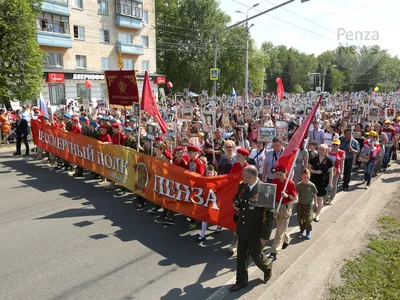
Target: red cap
<point x="104" y="126"/>
<point x="75" y="119"/>
<point x="193" y="148"/>
<point x="243" y="151"/>
<point x="35" y="109"/>
<point x="167" y="154"/>
<point x="179" y="148"/>
<point x="115" y="125"/>
<point x="159" y="138"/>
<point x="280" y="168"/>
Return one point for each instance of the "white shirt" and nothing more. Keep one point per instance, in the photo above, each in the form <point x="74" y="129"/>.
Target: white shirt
<point x="259" y="159"/>
<point x="253" y="185"/>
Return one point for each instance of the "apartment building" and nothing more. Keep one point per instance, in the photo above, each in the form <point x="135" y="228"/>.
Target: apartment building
<point x="82" y="39"/>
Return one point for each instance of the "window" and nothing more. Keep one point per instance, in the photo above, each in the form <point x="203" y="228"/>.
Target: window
<point x="145" y="65"/>
<point x="105" y="63"/>
<point x="53" y="60"/>
<point x="104" y="36"/>
<point x="82" y="92"/>
<point x="128" y="64"/>
<point x="102" y="7"/>
<point x="52" y="23"/>
<point x="77" y="4"/>
<point x="145" y="41"/>
<point x="146" y="16"/>
<point x="79" y="32"/>
<point x="130" y="8"/>
<point x="81" y="61"/>
<point x="125" y="37"/>
<point x="57" y="93"/>
<point x="103" y="88"/>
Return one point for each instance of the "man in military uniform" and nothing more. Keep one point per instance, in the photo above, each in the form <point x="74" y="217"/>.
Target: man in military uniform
<point x="254" y="225"/>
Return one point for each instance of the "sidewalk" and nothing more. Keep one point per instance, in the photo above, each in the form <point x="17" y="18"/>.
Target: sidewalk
<point x="310" y="276"/>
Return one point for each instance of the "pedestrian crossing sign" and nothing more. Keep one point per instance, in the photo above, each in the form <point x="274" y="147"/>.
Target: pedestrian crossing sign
<point x="214" y="74"/>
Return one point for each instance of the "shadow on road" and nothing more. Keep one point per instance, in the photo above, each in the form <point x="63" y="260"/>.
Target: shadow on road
<point x="170" y="242"/>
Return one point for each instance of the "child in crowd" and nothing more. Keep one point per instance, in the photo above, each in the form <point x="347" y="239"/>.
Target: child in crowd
<point x="210" y="171"/>
<point x="307" y="195"/>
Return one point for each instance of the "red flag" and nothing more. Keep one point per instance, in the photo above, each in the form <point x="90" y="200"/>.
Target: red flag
<point x="289" y="154"/>
<point x="149" y="103"/>
<point x="279" y="89"/>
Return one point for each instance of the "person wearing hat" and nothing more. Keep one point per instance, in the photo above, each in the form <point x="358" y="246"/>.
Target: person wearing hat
<point x="118" y="137"/>
<point x="133" y="124"/>
<point x="130" y="140"/>
<point x="254" y="224"/>
<point x="337" y="156"/>
<point x="75" y="128"/>
<point x="104" y="136"/>
<point x="241" y="154"/>
<point x="67" y="121"/>
<point x="194" y="165"/>
<point x="288" y="196"/>
<point x="391" y="135"/>
<point x="369" y="155"/>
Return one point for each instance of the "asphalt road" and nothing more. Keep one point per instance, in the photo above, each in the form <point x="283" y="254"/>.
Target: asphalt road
<point x="67" y="238"/>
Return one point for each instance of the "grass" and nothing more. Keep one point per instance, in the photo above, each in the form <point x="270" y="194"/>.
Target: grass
<point x="375" y="274"/>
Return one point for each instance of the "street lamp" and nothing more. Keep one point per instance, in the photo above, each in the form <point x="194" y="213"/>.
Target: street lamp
<point x="246" y="74"/>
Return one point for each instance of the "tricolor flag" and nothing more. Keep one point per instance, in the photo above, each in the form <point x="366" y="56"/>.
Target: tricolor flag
<point x="42" y="106"/>
<point x="233" y="93"/>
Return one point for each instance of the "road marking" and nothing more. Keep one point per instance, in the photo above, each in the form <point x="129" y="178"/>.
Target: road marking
<point x="224" y="291"/>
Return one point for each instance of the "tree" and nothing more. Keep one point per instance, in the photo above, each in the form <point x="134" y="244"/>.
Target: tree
<point x="185" y="35"/>
<point x="21" y="60"/>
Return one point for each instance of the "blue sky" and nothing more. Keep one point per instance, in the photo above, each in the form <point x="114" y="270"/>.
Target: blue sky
<point x="314" y="26"/>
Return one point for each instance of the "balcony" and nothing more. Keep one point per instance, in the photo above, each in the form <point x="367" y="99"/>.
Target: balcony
<point x="129" y="48"/>
<point x="53" y="39"/>
<point x="59" y="7"/>
<point x="128" y="22"/>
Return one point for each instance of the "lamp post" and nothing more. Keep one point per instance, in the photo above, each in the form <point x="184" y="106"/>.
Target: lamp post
<point x="246" y="73"/>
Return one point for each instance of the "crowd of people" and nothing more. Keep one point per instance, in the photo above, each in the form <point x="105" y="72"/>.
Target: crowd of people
<point x="330" y="151"/>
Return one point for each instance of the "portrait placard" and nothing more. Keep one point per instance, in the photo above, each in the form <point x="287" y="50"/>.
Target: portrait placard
<point x="266" y="134"/>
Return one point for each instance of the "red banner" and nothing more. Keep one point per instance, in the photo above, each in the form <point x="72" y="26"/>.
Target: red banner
<point x="209" y="199"/>
<point x="122" y="87"/>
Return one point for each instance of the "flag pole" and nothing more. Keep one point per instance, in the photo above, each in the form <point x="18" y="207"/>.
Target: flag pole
<point x="138" y="130"/>
<point x="287" y="179"/>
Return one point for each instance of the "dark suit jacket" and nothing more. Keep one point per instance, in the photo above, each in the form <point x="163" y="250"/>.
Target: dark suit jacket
<point x="254" y="222"/>
<point x="22" y="127"/>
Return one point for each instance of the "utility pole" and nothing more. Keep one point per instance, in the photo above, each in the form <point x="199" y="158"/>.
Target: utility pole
<point x="246" y="73"/>
<point x="241" y="22"/>
<point x="386" y="84"/>
<point x="323" y="80"/>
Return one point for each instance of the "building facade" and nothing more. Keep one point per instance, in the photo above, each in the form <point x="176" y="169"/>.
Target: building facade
<point x="82" y="39"/>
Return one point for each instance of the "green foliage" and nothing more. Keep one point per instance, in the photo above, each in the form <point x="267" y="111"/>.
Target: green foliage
<point x="298" y="89"/>
<point x="21" y="60"/>
<point x="375" y="274"/>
